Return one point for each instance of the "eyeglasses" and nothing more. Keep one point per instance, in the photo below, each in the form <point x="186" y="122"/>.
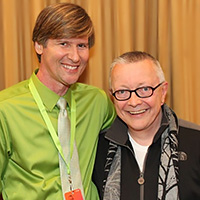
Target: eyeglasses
<point x="142" y="92"/>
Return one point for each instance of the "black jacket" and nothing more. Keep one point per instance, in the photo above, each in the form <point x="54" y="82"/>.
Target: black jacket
<point x="189" y="165"/>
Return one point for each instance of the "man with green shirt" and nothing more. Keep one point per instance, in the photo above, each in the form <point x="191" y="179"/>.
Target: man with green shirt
<point x="29" y="152"/>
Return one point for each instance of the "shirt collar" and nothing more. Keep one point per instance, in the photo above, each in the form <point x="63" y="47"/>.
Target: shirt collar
<point x="49" y="98"/>
<point x="164" y="124"/>
<point x="117" y="131"/>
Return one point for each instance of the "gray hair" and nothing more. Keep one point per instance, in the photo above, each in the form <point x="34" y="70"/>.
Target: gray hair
<point x="136" y="56"/>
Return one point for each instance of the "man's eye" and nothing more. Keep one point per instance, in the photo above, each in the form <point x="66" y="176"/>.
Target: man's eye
<point x="83" y="45"/>
<point x="146" y="89"/>
<point x="63" y="43"/>
<point x="121" y="91"/>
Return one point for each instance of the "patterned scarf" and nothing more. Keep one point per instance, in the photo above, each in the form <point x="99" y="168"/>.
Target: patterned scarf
<point x="168" y="170"/>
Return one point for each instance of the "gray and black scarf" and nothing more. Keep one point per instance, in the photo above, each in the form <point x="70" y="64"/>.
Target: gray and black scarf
<point x="168" y="171"/>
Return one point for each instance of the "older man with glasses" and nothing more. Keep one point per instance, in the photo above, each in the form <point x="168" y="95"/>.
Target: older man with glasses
<point x="148" y="153"/>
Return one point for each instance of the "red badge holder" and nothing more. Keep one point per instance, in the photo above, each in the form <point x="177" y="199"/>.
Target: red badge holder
<point x="74" y="195"/>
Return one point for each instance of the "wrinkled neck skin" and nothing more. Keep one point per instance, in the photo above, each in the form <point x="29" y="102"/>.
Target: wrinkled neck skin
<point x="57" y="87"/>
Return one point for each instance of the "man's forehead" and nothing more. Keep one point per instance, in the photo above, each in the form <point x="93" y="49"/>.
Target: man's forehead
<point x="138" y="72"/>
<point x="135" y="67"/>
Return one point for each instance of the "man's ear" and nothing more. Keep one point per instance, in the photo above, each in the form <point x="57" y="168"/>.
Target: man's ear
<point x="164" y="92"/>
<point x="38" y="48"/>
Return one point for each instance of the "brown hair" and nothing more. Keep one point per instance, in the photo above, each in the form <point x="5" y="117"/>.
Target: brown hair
<point x="63" y="20"/>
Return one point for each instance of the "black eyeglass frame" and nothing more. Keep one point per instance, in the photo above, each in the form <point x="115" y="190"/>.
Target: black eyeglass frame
<point x="131" y="91"/>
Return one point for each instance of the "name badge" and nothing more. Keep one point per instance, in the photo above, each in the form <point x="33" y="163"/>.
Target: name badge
<point x="74" y="195"/>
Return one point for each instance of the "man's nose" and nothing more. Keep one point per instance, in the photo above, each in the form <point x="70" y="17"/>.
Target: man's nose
<point x="73" y="54"/>
<point x="134" y="99"/>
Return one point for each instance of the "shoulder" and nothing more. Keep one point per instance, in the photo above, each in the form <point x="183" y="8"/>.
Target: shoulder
<point x="189" y="132"/>
<point x="14" y="91"/>
<point x="189" y="125"/>
<point x="90" y="93"/>
<point x="85" y="88"/>
<point x="95" y="102"/>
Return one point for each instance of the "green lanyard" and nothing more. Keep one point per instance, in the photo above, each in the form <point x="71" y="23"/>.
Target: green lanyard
<point x="50" y="127"/>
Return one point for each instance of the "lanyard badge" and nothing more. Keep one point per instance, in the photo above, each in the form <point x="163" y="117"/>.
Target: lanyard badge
<point x="74" y="195"/>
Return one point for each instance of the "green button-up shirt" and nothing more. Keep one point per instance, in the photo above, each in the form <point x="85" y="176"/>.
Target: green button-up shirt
<point x="29" y="165"/>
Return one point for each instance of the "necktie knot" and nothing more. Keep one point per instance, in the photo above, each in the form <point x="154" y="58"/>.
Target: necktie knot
<point x="62" y="103"/>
